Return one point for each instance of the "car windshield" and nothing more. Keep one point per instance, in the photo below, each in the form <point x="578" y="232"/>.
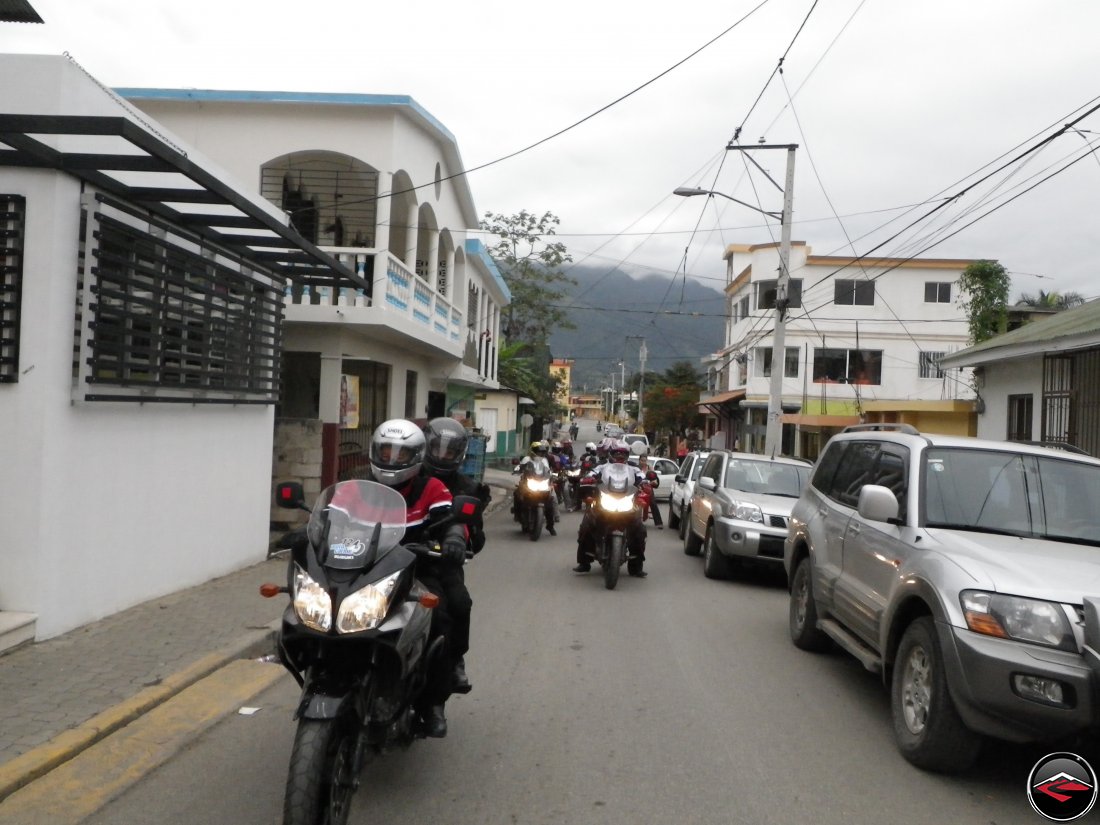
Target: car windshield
<point x="1012" y="493"/>
<point x="767" y="477"/>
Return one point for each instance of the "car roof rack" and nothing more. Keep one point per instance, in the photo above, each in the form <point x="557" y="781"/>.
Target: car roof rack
<point x="884" y="426"/>
<point x="1056" y="445"/>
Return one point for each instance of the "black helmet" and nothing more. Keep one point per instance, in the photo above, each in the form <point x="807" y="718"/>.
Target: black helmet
<point x="446" y="445"/>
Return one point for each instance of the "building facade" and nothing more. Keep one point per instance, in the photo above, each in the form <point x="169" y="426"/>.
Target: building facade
<point x="863" y="340"/>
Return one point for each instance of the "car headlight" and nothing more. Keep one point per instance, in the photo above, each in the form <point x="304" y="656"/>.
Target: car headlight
<point x="616" y="504"/>
<point x="744" y="511"/>
<point x="311" y="602"/>
<point x="366" y="608"/>
<point x="538" y="485"/>
<point x="1014" y="617"/>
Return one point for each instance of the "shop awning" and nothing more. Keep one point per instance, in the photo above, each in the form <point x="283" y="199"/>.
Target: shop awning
<point x="717" y="402"/>
<point x="816" y="423"/>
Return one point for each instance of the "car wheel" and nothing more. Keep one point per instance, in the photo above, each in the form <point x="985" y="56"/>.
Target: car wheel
<point x="805" y="633"/>
<point x="692" y="543"/>
<point x="715" y="565"/>
<point x="673" y="516"/>
<point x="685" y="519"/>
<point x="927" y="726"/>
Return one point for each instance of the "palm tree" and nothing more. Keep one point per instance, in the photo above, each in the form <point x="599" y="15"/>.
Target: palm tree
<point x="1052" y="300"/>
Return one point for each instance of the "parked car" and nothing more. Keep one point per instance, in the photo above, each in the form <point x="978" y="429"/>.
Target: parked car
<point x="740" y="508"/>
<point x="636" y="438"/>
<point x="966" y="572"/>
<point x="666" y="471"/>
<point x="682" y="487"/>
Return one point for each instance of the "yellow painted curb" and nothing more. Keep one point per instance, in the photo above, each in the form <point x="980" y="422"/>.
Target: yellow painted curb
<point x="85" y="783"/>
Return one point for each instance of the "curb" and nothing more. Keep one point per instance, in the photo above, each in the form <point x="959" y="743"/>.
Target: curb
<point x="27" y="767"/>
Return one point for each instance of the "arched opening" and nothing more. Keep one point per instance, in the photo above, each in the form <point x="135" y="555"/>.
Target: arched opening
<point x="427" y="242"/>
<point x="331" y="198"/>
<point x="402" y="214"/>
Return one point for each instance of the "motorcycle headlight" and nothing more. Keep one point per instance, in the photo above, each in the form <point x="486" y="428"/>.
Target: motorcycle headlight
<point x="311" y="602"/>
<point x="538" y="485"/>
<point x="366" y="608"/>
<point x="744" y="511"/>
<point x="616" y="504"/>
<point x="1014" y="617"/>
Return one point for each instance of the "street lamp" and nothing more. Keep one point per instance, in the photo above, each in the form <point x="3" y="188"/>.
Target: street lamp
<point x="773" y="439"/>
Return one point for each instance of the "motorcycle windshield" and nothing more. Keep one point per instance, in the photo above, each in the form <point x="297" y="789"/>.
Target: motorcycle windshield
<point x="351" y="516"/>
<point x="539" y="468"/>
<point x="619" y="479"/>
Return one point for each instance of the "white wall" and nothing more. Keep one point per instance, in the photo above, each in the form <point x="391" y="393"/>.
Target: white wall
<point x="1017" y="377"/>
<point x="105" y="505"/>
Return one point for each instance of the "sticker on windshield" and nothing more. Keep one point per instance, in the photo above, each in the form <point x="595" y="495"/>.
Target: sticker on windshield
<point x="347" y="549"/>
<point x="936" y="465"/>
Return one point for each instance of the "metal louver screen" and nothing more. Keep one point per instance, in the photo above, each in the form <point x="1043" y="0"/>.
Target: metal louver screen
<point x="12" y="218"/>
<point x="165" y="318"/>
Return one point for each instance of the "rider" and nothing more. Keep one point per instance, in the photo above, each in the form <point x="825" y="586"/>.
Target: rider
<point x="446" y="448"/>
<point x="651" y="476"/>
<point x="397" y="450"/>
<point x="538" y="454"/>
<point x="635" y="533"/>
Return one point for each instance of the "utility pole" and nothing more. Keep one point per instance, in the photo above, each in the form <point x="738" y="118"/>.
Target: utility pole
<point x="773" y="437"/>
<point x="641" y="376"/>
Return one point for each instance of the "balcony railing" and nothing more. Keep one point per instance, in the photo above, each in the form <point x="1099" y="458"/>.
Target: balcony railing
<point x="394" y="288"/>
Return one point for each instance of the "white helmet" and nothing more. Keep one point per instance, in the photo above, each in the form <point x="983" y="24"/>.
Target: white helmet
<point x="590" y="447"/>
<point x="396" y="451"/>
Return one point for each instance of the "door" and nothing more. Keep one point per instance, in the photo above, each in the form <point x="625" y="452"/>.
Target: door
<point x="487" y="419"/>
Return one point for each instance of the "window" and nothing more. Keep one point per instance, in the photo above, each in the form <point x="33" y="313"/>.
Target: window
<point x="410" y="393"/>
<point x="1019" y="417"/>
<point x="763" y="362"/>
<point x="937" y="292"/>
<point x="847" y="366"/>
<point x="855" y="469"/>
<point x="929" y="365"/>
<point x="765" y="293"/>
<point x="858" y="293"/>
<point x="713" y="468"/>
<point x="744" y="313"/>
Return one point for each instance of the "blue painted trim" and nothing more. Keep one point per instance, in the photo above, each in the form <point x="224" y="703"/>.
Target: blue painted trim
<point x="396" y="302"/>
<point x="318" y="98"/>
<point x="476" y="248"/>
<point x="422" y="317"/>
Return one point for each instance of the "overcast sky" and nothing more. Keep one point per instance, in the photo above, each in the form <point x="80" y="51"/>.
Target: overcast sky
<point x="896" y="104"/>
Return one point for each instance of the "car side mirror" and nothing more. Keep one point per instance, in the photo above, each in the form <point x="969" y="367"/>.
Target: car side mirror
<point x="680" y="479"/>
<point x="877" y="503"/>
<point x="707" y="483"/>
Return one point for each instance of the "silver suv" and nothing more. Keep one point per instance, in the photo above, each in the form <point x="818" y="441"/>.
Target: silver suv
<point x="961" y="570"/>
<point x="739" y="509"/>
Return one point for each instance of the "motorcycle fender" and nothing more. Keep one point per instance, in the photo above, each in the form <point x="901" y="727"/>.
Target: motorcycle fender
<point x="322" y="706"/>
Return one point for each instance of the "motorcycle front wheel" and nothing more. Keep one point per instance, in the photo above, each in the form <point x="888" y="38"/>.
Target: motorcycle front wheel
<point x="537" y="518"/>
<point x="614" y="561"/>
<point x="319" y="785"/>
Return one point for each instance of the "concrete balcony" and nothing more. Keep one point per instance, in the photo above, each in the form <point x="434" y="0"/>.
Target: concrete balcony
<point x="400" y="308"/>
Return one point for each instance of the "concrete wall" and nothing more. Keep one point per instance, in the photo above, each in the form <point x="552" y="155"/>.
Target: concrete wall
<point x="1017" y="377"/>
<point x="105" y="505"/>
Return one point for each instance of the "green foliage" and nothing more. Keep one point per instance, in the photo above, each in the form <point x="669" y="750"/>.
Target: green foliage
<point x="1052" y="300"/>
<point x="519" y="368"/>
<point x="532" y="268"/>
<point x="983" y="295"/>
<point x="672" y="399"/>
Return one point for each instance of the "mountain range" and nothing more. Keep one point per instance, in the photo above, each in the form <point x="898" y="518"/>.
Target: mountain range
<point x="610" y="308"/>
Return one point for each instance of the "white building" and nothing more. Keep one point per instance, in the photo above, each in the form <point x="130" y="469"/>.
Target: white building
<point x="863" y="339"/>
<point x="143" y="346"/>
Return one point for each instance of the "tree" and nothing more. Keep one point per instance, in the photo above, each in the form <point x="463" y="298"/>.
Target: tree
<point x="1052" y="300"/>
<point x="531" y="266"/>
<point x="983" y="295"/>
<point x="520" y="369"/>
<point x="672" y="399"/>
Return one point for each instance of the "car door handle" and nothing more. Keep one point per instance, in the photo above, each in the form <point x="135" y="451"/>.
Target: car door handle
<point x="853" y="530"/>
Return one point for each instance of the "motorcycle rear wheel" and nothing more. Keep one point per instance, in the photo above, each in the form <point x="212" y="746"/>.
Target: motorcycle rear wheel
<point x="614" y="561"/>
<point x="319" y="784"/>
<point x="537" y="519"/>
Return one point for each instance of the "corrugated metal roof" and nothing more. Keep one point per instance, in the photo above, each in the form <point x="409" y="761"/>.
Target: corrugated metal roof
<point x="18" y="11"/>
<point x="1071" y="328"/>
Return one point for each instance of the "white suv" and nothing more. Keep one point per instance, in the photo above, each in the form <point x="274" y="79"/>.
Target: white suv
<point x="966" y="573"/>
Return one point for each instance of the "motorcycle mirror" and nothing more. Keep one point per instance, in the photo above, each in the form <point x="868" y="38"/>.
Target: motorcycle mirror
<point x="289" y="494"/>
<point x="466" y="509"/>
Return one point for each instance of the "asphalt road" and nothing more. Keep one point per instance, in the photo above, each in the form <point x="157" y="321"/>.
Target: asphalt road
<point x="669" y="699"/>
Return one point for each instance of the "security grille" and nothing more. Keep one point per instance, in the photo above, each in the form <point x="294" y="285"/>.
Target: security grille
<point x="162" y="316"/>
<point x="12" y="218"/>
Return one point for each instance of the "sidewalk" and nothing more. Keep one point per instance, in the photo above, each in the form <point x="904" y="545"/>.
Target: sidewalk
<point x="62" y="695"/>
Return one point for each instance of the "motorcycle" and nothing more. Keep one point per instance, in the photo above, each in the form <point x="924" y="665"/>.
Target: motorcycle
<point x="613" y="507"/>
<point x="355" y="637"/>
<point x="533" y="492"/>
<point x="571" y="488"/>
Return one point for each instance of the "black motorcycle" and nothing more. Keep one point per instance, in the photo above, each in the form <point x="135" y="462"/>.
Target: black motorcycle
<point x="356" y="638"/>
<point x="612" y="508"/>
<point x="534" y="492"/>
